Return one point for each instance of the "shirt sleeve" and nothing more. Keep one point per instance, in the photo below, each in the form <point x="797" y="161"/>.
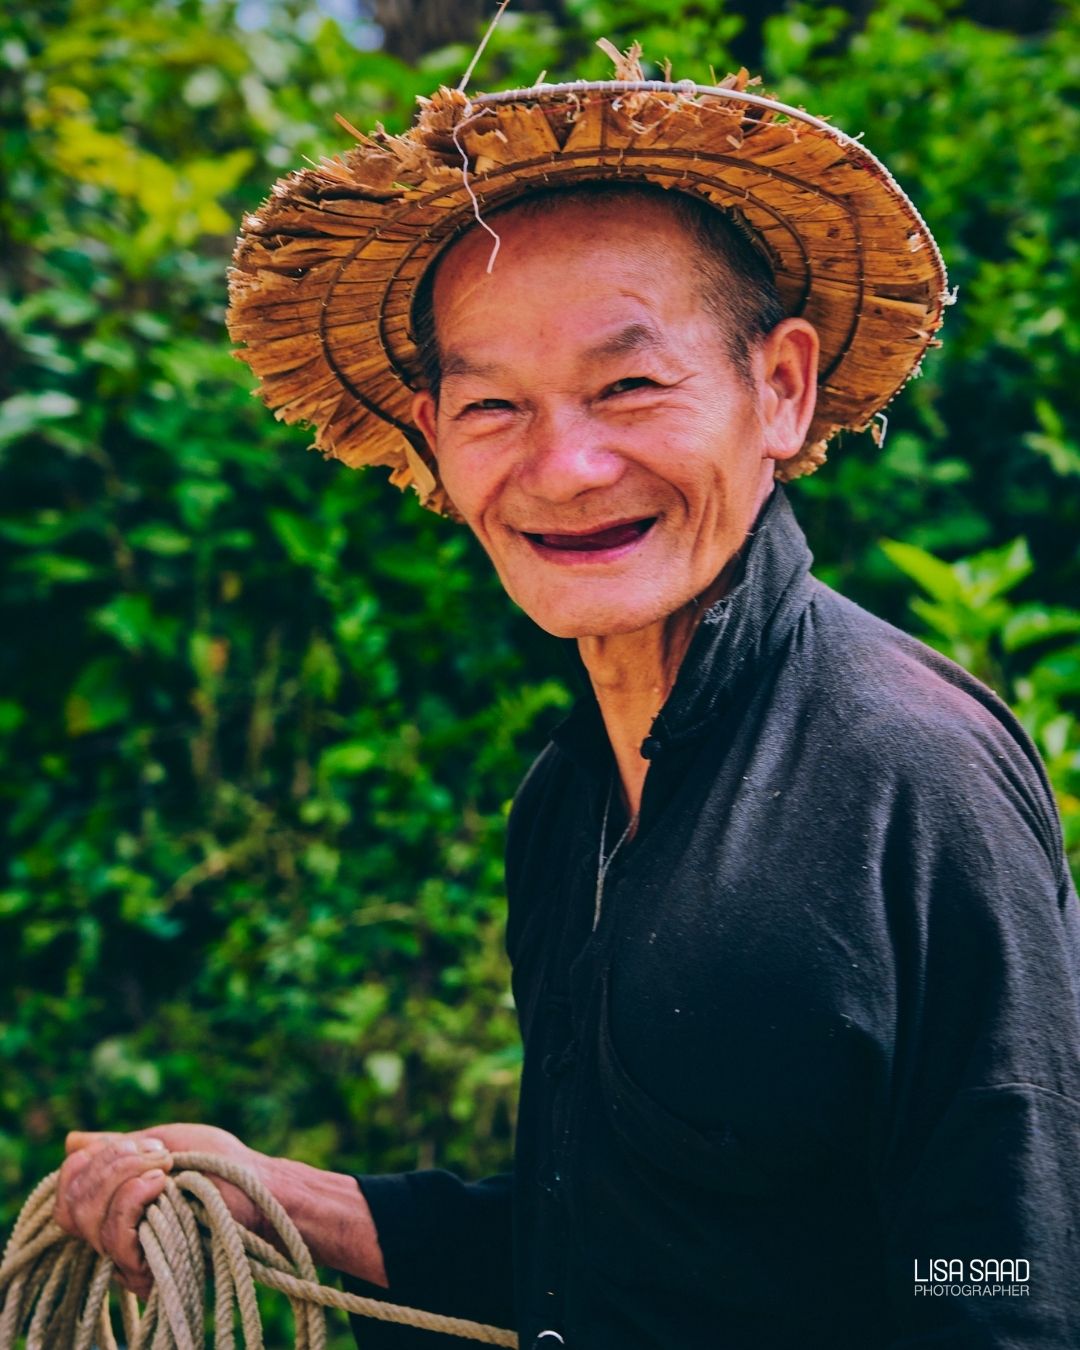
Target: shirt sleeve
<point x="980" y="1170"/>
<point x="447" y="1248"/>
<point x="983" y="1238"/>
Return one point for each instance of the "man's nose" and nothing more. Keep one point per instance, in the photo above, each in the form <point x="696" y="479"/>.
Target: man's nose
<point x="567" y="453"/>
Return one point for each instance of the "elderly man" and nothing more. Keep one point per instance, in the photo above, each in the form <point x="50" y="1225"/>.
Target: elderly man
<point x="795" y="947"/>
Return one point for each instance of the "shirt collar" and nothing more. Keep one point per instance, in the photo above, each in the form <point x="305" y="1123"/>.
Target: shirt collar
<point x="737" y="637"/>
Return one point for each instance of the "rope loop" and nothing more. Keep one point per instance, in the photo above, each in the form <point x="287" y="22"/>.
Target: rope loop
<point x="55" y="1289"/>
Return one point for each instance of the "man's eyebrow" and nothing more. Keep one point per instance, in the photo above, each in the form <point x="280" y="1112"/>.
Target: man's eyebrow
<point x="635" y="337"/>
<point x="457" y="363"/>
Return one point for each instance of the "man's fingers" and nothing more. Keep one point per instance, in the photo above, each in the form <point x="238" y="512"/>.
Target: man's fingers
<point x="140" y="1287"/>
<point x="77" y="1139"/>
<point x="90" y="1177"/>
<point x="100" y="1152"/>
<point x="95" y="1139"/>
<point x="120" y="1227"/>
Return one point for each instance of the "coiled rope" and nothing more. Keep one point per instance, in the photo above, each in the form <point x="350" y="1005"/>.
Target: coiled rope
<point x="55" y="1289"/>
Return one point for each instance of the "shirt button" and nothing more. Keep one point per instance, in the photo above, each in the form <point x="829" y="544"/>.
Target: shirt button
<point x="652" y="747"/>
<point x="547" y="1340"/>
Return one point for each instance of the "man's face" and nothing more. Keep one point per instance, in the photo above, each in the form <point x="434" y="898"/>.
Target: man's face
<point x="591" y="427"/>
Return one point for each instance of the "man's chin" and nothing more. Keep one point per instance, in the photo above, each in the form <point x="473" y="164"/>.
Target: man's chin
<point x="579" y="625"/>
<point x="576" y="605"/>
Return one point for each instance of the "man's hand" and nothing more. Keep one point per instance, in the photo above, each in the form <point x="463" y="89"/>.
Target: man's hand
<point x="108" y="1181"/>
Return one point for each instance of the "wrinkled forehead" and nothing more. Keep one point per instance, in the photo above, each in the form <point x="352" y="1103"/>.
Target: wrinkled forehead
<point x="550" y="241"/>
<point x="566" y="226"/>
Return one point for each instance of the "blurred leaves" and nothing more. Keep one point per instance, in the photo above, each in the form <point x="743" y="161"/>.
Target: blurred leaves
<point x="251" y="873"/>
<point x="1029" y="652"/>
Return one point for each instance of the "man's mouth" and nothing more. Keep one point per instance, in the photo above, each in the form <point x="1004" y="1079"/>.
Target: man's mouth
<point x="595" y="541"/>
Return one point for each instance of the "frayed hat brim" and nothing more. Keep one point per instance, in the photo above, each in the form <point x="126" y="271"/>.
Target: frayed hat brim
<point x="325" y="271"/>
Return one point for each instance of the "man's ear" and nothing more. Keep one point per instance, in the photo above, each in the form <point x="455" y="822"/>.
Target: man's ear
<point x="425" y="415"/>
<point x="787" y="376"/>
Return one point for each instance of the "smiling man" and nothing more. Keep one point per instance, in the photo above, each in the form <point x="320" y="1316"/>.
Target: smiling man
<point x="795" y="946"/>
<point x="608" y="438"/>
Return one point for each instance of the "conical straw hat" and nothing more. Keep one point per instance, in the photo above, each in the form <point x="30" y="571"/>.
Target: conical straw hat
<point x="325" y="271"/>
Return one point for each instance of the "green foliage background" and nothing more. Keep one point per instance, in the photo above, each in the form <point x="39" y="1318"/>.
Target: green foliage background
<point x="261" y="718"/>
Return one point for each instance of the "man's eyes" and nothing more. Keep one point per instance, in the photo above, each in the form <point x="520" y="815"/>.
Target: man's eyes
<point x="487" y="405"/>
<point x="628" y="384"/>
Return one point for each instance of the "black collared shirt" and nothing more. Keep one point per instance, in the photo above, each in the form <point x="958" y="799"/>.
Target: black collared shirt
<point x="825" y="1033"/>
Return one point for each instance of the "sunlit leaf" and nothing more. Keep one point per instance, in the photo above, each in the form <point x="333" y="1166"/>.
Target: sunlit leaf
<point x="937" y="578"/>
<point x="348" y="759"/>
<point x="1034" y="623"/>
<point x="97" y="700"/>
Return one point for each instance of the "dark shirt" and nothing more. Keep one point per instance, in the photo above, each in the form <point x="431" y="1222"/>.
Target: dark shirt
<point x="825" y="1032"/>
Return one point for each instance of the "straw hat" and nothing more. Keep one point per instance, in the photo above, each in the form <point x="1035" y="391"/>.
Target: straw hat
<point x="325" y="271"/>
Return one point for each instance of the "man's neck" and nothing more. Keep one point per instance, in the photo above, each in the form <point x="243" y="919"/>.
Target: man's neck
<point x="632" y="675"/>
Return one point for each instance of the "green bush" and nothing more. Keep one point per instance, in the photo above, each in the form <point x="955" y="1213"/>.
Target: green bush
<point x="1028" y="652"/>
